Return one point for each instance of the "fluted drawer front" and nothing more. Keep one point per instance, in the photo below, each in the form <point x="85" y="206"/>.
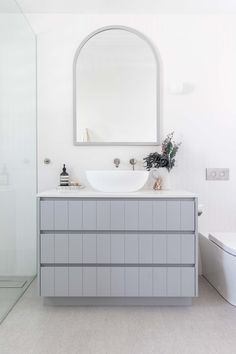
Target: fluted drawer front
<point x="117" y="215"/>
<point x="118" y="281"/>
<point x="117" y="248"/>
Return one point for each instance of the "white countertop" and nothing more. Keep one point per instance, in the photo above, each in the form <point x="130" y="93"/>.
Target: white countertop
<point x="90" y="193"/>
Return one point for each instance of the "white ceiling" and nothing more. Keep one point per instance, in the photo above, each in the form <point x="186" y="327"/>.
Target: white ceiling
<point x="127" y="6"/>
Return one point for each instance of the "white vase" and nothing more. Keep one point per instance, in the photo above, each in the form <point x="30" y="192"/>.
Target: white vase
<point x="165" y="177"/>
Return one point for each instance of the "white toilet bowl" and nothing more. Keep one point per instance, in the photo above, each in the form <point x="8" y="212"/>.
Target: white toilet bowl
<point x="218" y="253"/>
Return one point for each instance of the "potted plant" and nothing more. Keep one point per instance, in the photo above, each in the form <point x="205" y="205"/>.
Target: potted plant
<point x="163" y="161"/>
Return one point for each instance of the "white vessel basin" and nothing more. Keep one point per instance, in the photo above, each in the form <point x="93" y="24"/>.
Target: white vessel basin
<point x="117" y="181"/>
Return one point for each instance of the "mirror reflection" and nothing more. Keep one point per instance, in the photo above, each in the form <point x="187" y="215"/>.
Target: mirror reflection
<point x="116" y="89"/>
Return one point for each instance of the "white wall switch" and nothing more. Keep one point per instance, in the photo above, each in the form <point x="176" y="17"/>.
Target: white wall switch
<point x="217" y="174"/>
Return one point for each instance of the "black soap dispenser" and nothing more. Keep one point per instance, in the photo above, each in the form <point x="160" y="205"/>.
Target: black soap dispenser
<point x="64" y="177"/>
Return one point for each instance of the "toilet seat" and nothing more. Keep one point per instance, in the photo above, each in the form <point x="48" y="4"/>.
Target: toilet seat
<point x="225" y="240"/>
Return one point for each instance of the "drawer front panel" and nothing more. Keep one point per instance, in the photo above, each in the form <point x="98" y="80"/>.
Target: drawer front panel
<point x="118" y="248"/>
<point x="118" y="215"/>
<point x="118" y="281"/>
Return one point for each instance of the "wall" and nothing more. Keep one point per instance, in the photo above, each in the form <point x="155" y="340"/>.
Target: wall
<point x="198" y="50"/>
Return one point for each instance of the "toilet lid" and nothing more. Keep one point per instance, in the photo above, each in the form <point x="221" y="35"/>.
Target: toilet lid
<point x="226" y="240"/>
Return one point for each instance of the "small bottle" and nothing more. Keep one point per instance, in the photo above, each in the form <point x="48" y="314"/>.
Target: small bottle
<point x="64" y="177"/>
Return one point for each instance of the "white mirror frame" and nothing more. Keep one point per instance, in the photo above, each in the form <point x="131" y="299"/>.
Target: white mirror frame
<point x="158" y="86"/>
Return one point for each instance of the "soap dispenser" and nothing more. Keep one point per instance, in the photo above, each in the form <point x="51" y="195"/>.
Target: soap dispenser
<point x="64" y="177"/>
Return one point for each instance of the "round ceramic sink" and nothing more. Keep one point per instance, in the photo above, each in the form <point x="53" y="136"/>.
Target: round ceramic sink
<point x="117" y="181"/>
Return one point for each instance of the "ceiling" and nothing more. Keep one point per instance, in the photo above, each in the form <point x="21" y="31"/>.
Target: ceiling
<point x="127" y="6"/>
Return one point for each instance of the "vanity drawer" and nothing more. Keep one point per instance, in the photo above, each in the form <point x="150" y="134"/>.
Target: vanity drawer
<point x="117" y="215"/>
<point x="118" y="281"/>
<point x="117" y="248"/>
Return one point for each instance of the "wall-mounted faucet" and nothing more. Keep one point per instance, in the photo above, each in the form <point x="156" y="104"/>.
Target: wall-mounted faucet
<point x="117" y="162"/>
<point x="133" y="163"/>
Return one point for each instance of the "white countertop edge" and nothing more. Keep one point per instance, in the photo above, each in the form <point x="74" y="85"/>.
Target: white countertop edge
<point x="90" y="193"/>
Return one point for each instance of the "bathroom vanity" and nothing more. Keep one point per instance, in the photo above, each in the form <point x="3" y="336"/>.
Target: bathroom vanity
<point x="117" y="248"/>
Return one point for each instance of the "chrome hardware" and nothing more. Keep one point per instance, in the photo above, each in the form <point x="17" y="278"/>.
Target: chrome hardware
<point x="133" y="162"/>
<point x="116" y="162"/>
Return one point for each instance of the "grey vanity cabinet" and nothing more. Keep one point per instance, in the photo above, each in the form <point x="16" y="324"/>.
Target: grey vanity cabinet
<point x="118" y="247"/>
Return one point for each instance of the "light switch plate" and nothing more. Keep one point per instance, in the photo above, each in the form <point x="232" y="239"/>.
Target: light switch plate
<point x="217" y="174"/>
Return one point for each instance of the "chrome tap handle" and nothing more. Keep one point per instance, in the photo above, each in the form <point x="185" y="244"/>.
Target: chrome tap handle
<point x="133" y="162"/>
<point x="116" y="162"/>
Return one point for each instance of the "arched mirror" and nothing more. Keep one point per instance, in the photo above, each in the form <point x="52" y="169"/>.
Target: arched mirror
<point x="116" y="89"/>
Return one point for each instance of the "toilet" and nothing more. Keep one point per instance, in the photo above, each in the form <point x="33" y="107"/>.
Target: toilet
<point x="218" y="255"/>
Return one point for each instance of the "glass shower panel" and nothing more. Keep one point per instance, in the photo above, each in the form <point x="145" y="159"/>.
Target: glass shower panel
<point x="17" y="143"/>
